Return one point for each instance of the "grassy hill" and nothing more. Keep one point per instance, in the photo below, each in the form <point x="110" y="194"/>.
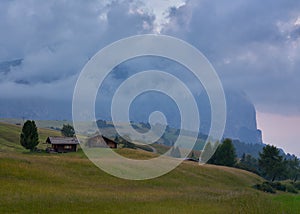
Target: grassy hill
<point x="70" y="183"/>
<point x="10" y="137"/>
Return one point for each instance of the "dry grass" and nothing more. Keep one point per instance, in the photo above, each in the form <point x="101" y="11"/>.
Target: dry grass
<point x="70" y="183"/>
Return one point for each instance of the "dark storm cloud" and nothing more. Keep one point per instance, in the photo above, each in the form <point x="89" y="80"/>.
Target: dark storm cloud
<point x="254" y="45"/>
<point x="56" y="38"/>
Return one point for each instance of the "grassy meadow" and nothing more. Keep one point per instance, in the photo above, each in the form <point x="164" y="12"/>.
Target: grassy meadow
<point x="70" y="183"/>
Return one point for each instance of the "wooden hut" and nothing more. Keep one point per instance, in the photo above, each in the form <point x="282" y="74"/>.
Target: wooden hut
<point x="101" y="141"/>
<point x="63" y="144"/>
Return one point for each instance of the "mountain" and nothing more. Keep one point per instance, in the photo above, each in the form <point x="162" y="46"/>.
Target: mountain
<point x="241" y="118"/>
<point x="240" y="125"/>
<point x="241" y="115"/>
<point x="35" y="108"/>
<point x="240" y="122"/>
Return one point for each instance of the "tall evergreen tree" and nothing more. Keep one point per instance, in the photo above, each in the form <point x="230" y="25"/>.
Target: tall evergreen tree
<point x="29" y="137"/>
<point x="225" y="154"/>
<point x="271" y="162"/>
<point x="248" y="163"/>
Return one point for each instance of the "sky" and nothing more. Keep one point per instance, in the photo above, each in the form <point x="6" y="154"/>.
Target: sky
<point x="253" y="45"/>
<point x="282" y="130"/>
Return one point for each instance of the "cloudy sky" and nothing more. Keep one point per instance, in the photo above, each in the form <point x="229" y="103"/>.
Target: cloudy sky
<point x="253" y="45"/>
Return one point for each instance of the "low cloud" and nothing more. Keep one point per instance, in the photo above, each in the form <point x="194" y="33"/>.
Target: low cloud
<point x="254" y="46"/>
<point x="55" y="39"/>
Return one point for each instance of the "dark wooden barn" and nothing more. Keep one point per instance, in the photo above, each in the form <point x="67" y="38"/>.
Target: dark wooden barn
<point x="62" y="144"/>
<point x="101" y="141"/>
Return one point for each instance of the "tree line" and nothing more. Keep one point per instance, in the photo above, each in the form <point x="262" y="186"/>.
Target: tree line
<point x="270" y="164"/>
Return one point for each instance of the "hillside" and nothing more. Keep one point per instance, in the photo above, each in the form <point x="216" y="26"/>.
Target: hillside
<point x="40" y="182"/>
<point x="167" y="140"/>
<point x="10" y="137"/>
<point x="240" y="124"/>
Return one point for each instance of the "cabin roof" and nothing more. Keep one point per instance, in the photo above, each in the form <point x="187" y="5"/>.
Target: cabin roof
<point x="102" y="138"/>
<point x="62" y="140"/>
<point x="107" y="139"/>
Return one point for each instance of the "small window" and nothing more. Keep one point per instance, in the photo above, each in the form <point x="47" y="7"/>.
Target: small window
<point x="67" y="147"/>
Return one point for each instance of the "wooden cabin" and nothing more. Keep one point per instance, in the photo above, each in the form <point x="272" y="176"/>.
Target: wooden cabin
<point x="62" y="144"/>
<point x="101" y="141"/>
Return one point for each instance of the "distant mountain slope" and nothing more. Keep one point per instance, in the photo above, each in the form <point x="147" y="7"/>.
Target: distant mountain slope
<point x="171" y="135"/>
<point x="35" y="108"/>
<point x="240" y="124"/>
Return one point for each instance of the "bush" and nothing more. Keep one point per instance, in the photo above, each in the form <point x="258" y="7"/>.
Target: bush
<point x="270" y="187"/>
<point x="297" y="185"/>
<point x="265" y="187"/>
<point x="291" y="188"/>
<point x="278" y="186"/>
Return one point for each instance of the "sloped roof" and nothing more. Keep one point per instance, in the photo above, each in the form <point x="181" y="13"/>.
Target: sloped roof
<point x="62" y="140"/>
<point x="108" y="140"/>
<point x="99" y="141"/>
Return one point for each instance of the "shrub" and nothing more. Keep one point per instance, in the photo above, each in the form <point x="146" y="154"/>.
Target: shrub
<point x="278" y="186"/>
<point x="291" y="188"/>
<point x="265" y="187"/>
<point x="297" y="185"/>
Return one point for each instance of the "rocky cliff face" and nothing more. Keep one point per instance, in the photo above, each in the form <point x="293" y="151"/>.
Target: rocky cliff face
<point x="241" y="114"/>
<point x="241" y="117"/>
<point x="240" y="124"/>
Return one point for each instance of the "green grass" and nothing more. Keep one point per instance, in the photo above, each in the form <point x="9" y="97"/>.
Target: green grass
<point x="289" y="202"/>
<point x="70" y="183"/>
